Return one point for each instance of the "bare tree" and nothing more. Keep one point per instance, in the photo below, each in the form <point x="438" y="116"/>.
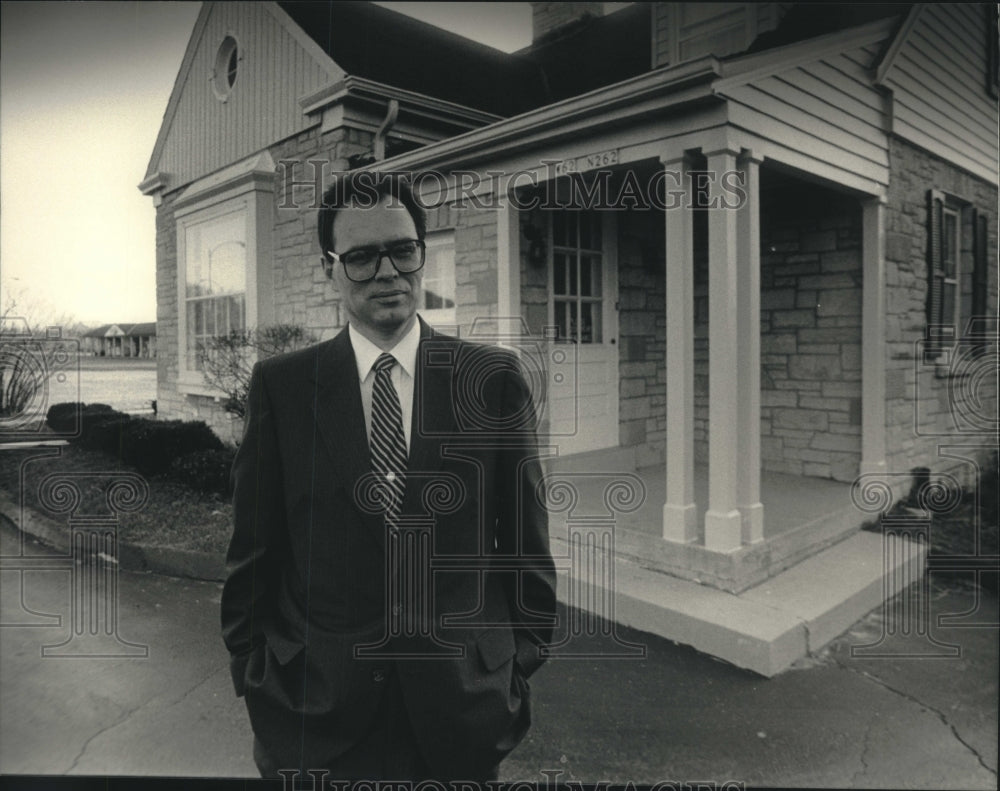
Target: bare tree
<point x="27" y="353"/>
<point x="228" y="360"/>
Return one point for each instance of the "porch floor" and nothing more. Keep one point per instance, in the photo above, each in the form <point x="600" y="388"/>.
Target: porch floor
<point x="801" y="517"/>
<point x="790" y="501"/>
<point x="765" y="606"/>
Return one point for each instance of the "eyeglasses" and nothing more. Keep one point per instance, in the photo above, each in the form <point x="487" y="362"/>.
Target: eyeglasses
<point x="362" y="263"/>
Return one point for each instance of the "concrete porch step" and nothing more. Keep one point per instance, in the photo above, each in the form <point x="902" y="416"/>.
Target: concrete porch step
<point x="765" y="628"/>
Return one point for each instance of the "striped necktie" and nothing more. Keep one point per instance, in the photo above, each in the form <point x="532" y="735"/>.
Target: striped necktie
<point x="388" y="443"/>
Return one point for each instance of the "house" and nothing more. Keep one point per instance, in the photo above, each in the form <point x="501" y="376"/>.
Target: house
<point x="120" y="340"/>
<point x="750" y="251"/>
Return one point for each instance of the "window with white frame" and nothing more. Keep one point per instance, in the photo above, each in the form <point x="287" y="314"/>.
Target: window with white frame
<point x="223" y="227"/>
<point x="215" y="275"/>
<point x="437" y="304"/>
<point x="576" y="299"/>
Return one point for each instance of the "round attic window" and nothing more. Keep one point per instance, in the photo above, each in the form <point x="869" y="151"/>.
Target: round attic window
<point x="227" y="64"/>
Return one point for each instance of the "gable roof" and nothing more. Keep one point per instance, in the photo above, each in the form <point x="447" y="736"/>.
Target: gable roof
<point x="810" y="20"/>
<point x="567" y="61"/>
<point x="369" y="41"/>
<point x="144" y="328"/>
<point x="384" y="46"/>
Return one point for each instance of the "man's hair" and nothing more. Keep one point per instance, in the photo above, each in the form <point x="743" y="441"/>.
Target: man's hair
<point x="366" y="189"/>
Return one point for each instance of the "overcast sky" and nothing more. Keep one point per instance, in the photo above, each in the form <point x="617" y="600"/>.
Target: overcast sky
<point x="83" y="88"/>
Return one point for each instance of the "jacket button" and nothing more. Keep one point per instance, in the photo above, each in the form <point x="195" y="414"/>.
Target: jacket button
<point x="378" y="676"/>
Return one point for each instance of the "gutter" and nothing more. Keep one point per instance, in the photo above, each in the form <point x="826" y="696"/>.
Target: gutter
<point x="678" y="84"/>
<point x="361" y="88"/>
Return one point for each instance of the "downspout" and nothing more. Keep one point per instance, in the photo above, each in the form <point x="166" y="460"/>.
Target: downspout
<point x="383" y="131"/>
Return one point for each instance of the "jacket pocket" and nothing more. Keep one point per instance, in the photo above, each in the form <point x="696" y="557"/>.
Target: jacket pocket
<point x="495" y="647"/>
<point x="284" y="650"/>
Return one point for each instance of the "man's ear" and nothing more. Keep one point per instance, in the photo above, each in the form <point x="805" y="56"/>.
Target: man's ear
<point x="327" y="268"/>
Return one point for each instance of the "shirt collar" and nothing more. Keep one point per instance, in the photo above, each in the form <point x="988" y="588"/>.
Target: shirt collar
<point x="405" y="352"/>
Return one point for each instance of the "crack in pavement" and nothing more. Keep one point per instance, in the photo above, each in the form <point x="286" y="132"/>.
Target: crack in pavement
<point x="105" y="729"/>
<point x="865" y="746"/>
<point x="940" y="715"/>
<point x="131" y="712"/>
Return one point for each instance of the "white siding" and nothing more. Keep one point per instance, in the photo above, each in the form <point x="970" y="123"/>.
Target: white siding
<point x="205" y="134"/>
<point x="683" y="31"/>
<point x="938" y="82"/>
<point x="826" y="108"/>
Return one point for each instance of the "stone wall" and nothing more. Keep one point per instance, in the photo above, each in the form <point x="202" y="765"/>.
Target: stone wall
<point x="475" y="260"/>
<point x="303" y="294"/>
<point x="811" y="293"/>
<point x="642" y="325"/>
<point x="929" y="405"/>
<point x="475" y="265"/>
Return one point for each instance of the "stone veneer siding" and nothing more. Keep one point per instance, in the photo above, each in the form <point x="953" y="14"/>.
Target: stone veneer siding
<point x="922" y="400"/>
<point x="475" y="260"/>
<point x="810" y="326"/>
<point x="642" y="322"/>
<point x="811" y="296"/>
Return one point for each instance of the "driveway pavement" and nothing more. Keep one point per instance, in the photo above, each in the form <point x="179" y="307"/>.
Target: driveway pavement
<point x="922" y="715"/>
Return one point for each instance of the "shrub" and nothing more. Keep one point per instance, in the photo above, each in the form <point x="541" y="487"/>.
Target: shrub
<point x="64" y="417"/>
<point x="105" y="432"/>
<point x="94" y="416"/>
<point x="150" y="446"/>
<point x="205" y="470"/>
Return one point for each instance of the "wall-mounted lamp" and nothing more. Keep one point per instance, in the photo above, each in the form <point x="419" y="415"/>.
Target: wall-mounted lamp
<point x="536" y="245"/>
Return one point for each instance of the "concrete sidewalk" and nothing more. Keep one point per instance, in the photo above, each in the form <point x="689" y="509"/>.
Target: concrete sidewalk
<point x="907" y="719"/>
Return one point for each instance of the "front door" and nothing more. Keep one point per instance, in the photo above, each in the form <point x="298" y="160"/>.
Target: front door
<point x="583" y="293"/>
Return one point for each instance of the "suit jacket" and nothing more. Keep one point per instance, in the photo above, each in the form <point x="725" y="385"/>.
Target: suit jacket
<point x="323" y="600"/>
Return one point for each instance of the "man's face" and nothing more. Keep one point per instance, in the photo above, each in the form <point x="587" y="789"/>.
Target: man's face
<point x="384" y="306"/>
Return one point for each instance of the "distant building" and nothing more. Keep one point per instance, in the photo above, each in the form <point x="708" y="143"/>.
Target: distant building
<point x="121" y="340"/>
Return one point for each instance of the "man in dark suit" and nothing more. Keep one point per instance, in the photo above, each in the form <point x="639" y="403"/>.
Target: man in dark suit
<point x="390" y="580"/>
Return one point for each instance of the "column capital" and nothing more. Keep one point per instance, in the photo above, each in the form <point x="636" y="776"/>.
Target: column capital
<point x="748" y="155"/>
<point x="722" y="151"/>
<point x="675" y="157"/>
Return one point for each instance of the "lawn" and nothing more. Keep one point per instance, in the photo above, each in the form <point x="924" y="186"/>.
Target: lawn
<point x="174" y="515"/>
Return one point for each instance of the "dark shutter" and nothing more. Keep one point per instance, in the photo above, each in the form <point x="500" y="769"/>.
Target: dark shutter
<point x="935" y="271"/>
<point x="980" y="323"/>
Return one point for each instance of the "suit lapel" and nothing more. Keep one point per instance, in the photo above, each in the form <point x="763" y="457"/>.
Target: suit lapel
<point x="341" y="419"/>
<point x="433" y="418"/>
<point x="340" y="415"/>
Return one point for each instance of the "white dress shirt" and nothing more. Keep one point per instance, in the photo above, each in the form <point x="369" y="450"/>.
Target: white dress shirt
<point x="402" y="374"/>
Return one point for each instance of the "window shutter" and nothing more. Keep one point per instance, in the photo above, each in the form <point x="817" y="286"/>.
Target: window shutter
<point x="935" y="271"/>
<point x="979" y="323"/>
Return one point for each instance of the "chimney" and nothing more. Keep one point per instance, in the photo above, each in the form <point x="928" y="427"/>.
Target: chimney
<point x="547" y="18"/>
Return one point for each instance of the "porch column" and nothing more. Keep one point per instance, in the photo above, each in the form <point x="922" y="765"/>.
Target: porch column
<point x="680" y="521"/>
<point x="873" y="336"/>
<point x="723" y="521"/>
<point x="748" y="351"/>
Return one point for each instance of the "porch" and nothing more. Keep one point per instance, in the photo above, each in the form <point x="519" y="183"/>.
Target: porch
<point x="762" y="606"/>
<point x="804" y="515"/>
